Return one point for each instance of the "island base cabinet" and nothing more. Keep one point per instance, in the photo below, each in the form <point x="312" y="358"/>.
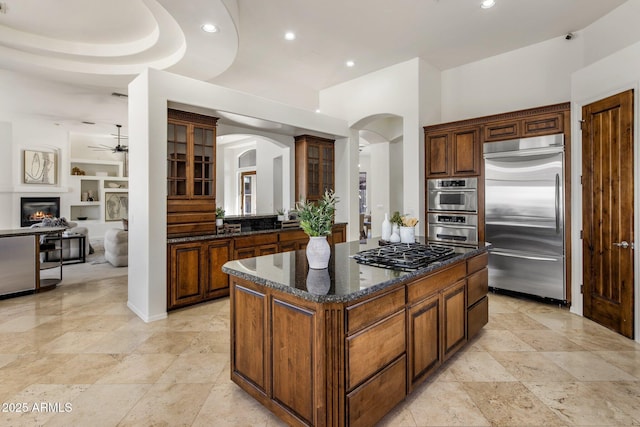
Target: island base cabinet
<point x="477" y="316"/>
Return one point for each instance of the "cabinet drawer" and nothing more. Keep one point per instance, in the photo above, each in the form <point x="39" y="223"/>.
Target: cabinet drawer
<point x="477" y="317"/>
<point x="477" y="263"/>
<point x="372" y="349"/>
<point x="369" y="403"/>
<point x="426" y="286"/>
<point x="372" y="310"/>
<point x="477" y="286"/>
<point x="500" y="131"/>
<point x="287" y="236"/>
<point x="544" y="124"/>
<point x="256" y="240"/>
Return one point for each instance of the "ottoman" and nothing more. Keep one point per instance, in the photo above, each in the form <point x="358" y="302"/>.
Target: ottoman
<point x="116" y="247"/>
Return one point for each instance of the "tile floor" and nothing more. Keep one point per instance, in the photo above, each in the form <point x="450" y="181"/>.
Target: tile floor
<point x="82" y="354"/>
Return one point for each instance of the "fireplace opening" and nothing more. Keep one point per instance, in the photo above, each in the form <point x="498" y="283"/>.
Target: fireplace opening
<point x="34" y="209"/>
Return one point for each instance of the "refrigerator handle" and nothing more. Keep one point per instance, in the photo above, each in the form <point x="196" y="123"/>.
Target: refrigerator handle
<point x="557" y="203"/>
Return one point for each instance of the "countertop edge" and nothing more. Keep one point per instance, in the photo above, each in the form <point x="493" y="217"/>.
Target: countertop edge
<point x="358" y="294"/>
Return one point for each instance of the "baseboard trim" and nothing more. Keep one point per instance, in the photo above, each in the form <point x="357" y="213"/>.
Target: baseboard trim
<point x="145" y="318"/>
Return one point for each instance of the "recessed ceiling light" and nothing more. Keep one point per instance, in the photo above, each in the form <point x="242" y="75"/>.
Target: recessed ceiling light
<point x="317" y="110"/>
<point x="486" y="4"/>
<point x="350" y="63"/>
<point x="209" y="28"/>
<point x="289" y="35"/>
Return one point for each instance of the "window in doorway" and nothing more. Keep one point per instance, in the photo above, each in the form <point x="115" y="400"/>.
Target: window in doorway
<point x="248" y="196"/>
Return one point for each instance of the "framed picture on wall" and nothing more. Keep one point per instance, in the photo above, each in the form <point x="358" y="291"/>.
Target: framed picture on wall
<point x="116" y="206"/>
<point x="40" y="167"/>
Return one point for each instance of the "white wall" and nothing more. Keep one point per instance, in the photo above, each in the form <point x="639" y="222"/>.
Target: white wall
<point x="395" y="90"/>
<point x="149" y="94"/>
<point x="529" y="77"/>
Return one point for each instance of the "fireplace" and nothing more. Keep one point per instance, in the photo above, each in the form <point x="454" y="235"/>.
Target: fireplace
<point x="34" y="209"/>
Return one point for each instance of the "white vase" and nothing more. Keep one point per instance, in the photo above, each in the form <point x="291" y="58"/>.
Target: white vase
<point x="407" y="234"/>
<point x="318" y="281"/>
<point x="219" y="222"/>
<point x="395" y="235"/>
<point x="318" y="252"/>
<point x="386" y="228"/>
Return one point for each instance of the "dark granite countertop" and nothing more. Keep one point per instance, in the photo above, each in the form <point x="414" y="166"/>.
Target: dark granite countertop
<point x="345" y="280"/>
<point x="27" y="231"/>
<point x="230" y="235"/>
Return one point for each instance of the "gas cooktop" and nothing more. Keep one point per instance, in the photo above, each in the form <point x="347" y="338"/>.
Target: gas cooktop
<point x="403" y="256"/>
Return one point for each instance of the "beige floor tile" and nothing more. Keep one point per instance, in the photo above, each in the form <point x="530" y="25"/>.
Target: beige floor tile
<point x="598" y="338"/>
<point x="118" y="342"/>
<point x="510" y="404"/>
<point x="73" y="342"/>
<point x="580" y="403"/>
<point x="500" y="340"/>
<point x="195" y="368"/>
<point x="445" y="403"/>
<point x="31" y="367"/>
<point x="82" y="369"/>
<point x="221" y="409"/>
<point x="531" y="366"/>
<point x="167" y="342"/>
<point x="138" y="369"/>
<point x="586" y="366"/>
<point x="513" y="322"/>
<point x="210" y="342"/>
<point x="628" y="361"/>
<point x="478" y="366"/>
<point x="102" y="405"/>
<point x="168" y="404"/>
<point x="547" y="340"/>
<point x="23" y="323"/>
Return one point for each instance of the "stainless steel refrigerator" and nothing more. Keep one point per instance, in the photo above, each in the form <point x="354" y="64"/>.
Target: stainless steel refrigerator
<point x="524" y="215"/>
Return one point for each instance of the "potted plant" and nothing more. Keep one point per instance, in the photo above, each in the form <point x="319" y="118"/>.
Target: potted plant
<point x="316" y="220"/>
<point x="280" y="214"/>
<point x="219" y="216"/>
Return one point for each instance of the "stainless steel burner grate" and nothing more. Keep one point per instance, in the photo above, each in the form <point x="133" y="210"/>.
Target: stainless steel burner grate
<point x="403" y="256"/>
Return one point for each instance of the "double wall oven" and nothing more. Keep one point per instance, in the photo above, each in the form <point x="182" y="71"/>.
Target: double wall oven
<point x="452" y="210"/>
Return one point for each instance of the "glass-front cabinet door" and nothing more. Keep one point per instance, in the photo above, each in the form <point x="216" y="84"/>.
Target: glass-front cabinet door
<point x="176" y="160"/>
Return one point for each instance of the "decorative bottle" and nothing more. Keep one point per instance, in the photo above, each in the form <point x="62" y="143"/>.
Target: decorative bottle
<point x="386" y="228"/>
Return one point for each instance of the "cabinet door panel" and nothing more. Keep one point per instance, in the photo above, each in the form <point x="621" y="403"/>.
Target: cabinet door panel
<point x="185" y="267"/>
<point x="437" y="155"/>
<point x="477" y="286"/>
<point x="249" y="335"/>
<point x="454" y="305"/>
<point x="218" y="254"/>
<point x="466" y="152"/>
<point x="477" y="317"/>
<point x="424" y="338"/>
<point x="293" y="358"/>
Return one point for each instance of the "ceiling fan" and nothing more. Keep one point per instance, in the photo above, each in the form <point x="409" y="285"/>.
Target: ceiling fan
<point x="119" y="148"/>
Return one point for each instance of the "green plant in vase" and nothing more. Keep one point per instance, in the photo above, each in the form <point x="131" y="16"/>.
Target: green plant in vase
<point x="316" y="220"/>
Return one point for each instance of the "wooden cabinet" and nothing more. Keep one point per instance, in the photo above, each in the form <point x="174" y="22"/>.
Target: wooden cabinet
<point x="194" y="271"/>
<point x="523" y="127"/>
<point x="292" y="240"/>
<point x="436" y="320"/>
<point x="191" y="171"/>
<point x="255" y="245"/>
<point x="452" y="152"/>
<point x="477" y="289"/>
<point x="314" y="166"/>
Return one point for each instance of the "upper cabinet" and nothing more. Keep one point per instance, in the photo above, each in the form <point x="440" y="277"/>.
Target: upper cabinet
<point x="452" y="152"/>
<point x="314" y="166"/>
<point x="191" y="171"/>
<point x="511" y="128"/>
<point x="191" y="153"/>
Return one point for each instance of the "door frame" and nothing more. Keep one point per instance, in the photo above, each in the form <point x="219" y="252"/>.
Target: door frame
<point x="576" y="200"/>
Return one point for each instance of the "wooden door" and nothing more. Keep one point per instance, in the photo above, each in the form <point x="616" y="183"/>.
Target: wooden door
<point x="607" y="204"/>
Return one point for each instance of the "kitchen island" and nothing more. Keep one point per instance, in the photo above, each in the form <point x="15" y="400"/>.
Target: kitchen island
<point x="344" y="345"/>
<point x="21" y="269"/>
